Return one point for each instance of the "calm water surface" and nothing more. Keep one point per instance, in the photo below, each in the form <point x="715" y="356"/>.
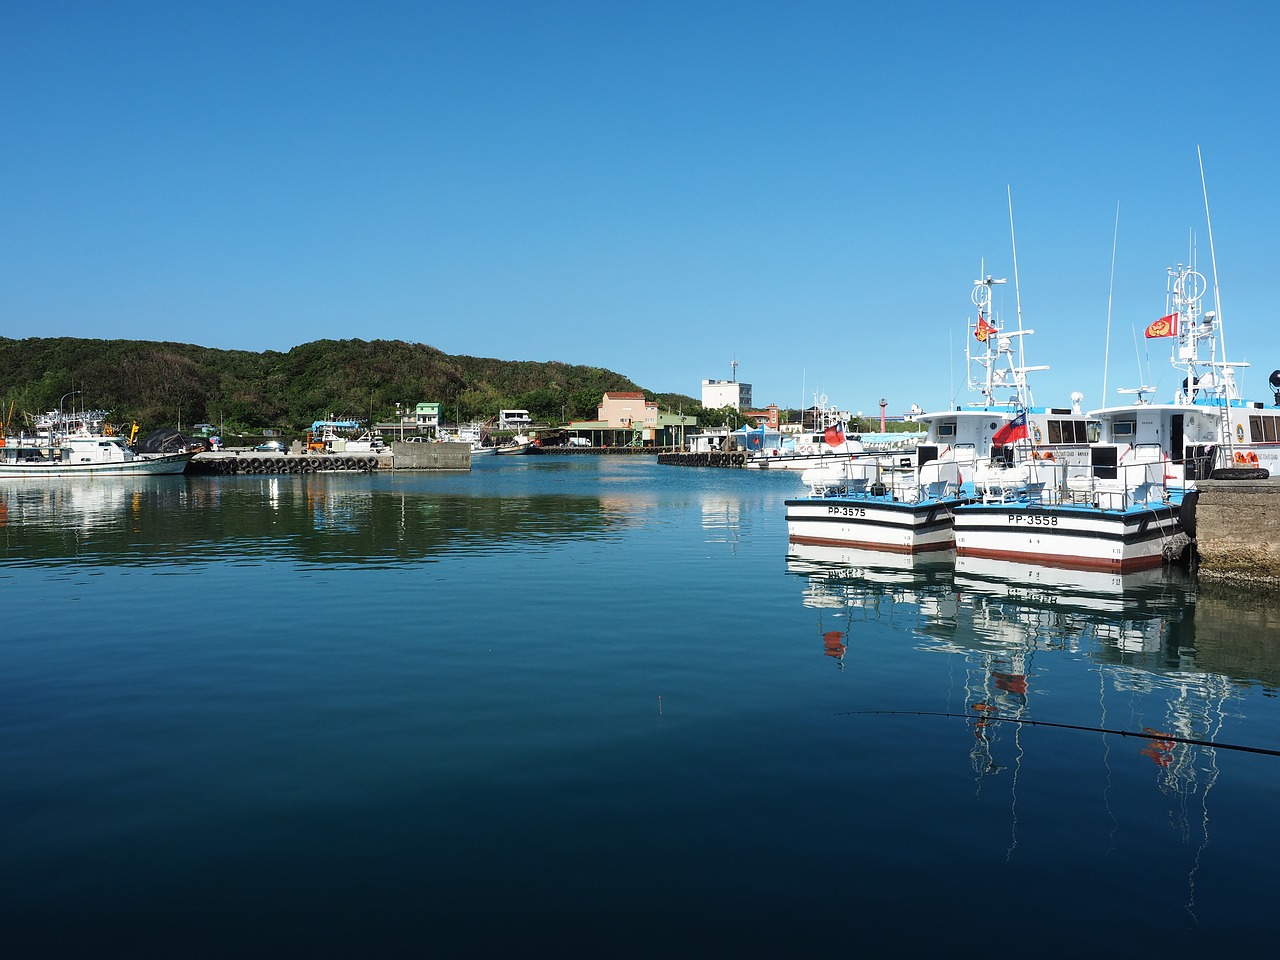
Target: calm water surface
<point x="592" y="704"/>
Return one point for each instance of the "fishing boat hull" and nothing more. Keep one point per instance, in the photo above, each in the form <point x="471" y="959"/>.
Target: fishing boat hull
<point x="141" y="466"/>
<point x="796" y="461"/>
<point x="1073" y="536"/>
<point x="514" y="449"/>
<point x="873" y="523"/>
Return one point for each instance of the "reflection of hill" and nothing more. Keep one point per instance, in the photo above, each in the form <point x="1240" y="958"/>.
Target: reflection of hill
<point x="343" y="520"/>
<point x="1237" y="632"/>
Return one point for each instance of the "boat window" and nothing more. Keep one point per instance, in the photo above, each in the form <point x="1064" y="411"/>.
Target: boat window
<point x="1125" y="428"/>
<point x="1055" y="431"/>
<point x="1269" y="429"/>
<point x="1093" y="431"/>
<point x="946" y="430"/>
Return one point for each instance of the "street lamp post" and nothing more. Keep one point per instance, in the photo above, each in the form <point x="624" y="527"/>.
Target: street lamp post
<point x="69" y="393"/>
<point x="61" y="421"/>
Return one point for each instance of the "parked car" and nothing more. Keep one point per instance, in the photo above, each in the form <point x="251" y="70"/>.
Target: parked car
<point x="271" y="446"/>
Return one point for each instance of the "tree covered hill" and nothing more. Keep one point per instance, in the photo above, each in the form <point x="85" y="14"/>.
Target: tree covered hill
<point x="160" y="384"/>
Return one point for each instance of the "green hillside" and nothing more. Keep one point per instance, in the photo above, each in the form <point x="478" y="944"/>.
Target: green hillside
<point x="161" y="384"/>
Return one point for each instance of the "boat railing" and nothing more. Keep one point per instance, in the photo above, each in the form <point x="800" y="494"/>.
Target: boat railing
<point x="1123" y="486"/>
<point x="885" y="477"/>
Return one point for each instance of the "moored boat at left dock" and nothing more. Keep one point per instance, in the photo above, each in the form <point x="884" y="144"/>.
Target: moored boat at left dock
<point x="81" y="444"/>
<point x="84" y="455"/>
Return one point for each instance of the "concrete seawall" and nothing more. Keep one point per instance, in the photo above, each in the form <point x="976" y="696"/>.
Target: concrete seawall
<point x="1238" y="529"/>
<point x="431" y="456"/>
<point x="401" y="456"/>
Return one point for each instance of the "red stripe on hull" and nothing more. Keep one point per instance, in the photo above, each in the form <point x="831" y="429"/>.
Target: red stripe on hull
<point x="1072" y="563"/>
<point x="872" y="545"/>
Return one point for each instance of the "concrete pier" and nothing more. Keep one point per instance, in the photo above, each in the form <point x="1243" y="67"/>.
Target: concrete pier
<point x="400" y="456"/>
<point x="430" y="456"/>
<point x="715" y="458"/>
<point x="1237" y="530"/>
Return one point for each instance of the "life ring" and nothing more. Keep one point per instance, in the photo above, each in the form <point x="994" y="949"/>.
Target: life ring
<point x="1048" y="455"/>
<point x="1246" y="459"/>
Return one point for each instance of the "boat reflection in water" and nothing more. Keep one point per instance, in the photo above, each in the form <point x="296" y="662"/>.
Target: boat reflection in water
<point x="1086" y="688"/>
<point x="849" y="583"/>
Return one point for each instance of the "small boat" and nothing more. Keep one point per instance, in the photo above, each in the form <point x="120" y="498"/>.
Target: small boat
<point x="521" y="443"/>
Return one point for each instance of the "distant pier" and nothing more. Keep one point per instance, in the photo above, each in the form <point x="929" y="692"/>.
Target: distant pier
<point x="230" y="464"/>
<point x="713" y="458"/>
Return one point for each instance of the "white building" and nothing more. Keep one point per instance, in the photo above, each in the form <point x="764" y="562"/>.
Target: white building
<point x="726" y="393"/>
<point x="513" y="419"/>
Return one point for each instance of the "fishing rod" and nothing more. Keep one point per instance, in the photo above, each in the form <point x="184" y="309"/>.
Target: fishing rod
<point x="991" y="717"/>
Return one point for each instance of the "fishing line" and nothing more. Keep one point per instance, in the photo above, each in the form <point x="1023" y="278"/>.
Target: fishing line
<point x="1143" y="735"/>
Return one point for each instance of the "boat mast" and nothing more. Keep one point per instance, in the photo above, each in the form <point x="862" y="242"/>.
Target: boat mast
<point x="981" y="297"/>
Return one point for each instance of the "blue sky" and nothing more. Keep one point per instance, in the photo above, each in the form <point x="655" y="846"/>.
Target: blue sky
<point x="656" y="188"/>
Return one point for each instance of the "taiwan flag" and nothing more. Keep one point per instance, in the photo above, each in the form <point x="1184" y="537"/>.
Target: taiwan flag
<point x="1164" y="327"/>
<point x="1015" y="429"/>
<point x="834" y="435"/>
<point x="983" y="329"/>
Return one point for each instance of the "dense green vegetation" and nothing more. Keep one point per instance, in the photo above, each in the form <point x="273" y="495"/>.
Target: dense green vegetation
<point x="163" y="384"/>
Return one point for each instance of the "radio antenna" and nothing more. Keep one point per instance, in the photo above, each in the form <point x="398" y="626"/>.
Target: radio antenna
<point x="1213" y="259"/>
<point x="1017" y="293"/>
<point x="1106" y="355"/>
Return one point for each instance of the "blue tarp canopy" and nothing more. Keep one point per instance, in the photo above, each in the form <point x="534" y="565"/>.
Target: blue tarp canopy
<point x="334" y="425"/>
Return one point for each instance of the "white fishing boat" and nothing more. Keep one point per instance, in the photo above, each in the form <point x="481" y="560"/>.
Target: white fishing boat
<point x="908" y="503"/>
<point x="477" y="435"/>
<point x="343" y="436"/>
<point x="824" y="440"/>
<point x="1075" y="519"/>
<point x="1133" y="506"/>
<point x="1208" y="429"/>
<point x="83" y="455"/>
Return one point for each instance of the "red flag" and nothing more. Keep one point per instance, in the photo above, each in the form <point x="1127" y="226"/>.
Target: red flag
<point x="1164" y="327"/>
<point x="983" y="329"/>
<point x="1015" y="429"/>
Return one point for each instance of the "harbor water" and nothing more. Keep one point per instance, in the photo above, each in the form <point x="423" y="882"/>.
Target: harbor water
<point x="598" y="706"/>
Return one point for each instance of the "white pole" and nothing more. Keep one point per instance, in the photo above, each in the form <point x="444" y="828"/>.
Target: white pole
<point x="1217" y="303"/>
<point x="1106" y="354"/>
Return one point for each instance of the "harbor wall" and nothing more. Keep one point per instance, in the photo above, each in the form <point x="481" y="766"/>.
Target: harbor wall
<point x="714" y="458"/>
<point x="1237" y="530"/>
<point x="430" y="456"/>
